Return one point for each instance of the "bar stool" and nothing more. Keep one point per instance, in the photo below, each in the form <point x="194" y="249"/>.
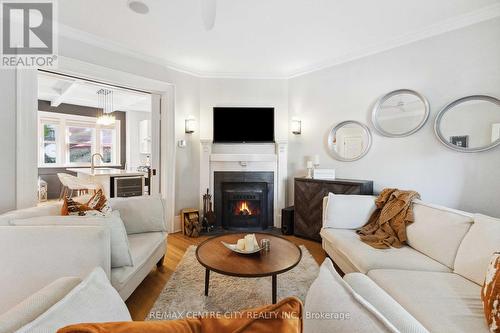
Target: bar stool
<point x="72" y="183"/>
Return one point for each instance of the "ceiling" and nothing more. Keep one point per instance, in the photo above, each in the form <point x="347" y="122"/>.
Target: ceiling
<point x="62" y="89"/>
<point x="265" y="38"/>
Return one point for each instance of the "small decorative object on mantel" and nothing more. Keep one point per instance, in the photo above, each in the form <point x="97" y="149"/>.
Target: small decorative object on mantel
<point x="310" y="168"/>
<point x="328" y="174"/>
<point x="190" y="220"/>
<point x="316" y="161"/>
<point x="209" y="218"/>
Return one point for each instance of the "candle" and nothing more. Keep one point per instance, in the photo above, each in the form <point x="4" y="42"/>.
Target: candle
<point x="240" y="245"/>
<point x="316" y="160"/>
<point x="309" y="164"/>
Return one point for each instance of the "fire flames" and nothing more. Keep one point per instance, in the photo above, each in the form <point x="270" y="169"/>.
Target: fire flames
<point x="243" y="208"/>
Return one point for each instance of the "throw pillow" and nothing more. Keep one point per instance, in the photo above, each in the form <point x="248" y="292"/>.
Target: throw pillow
<point x="49" y="209"/>
<point x="285" y="316"/>
<point x="474" y="253"/>
<point x="120" y="251"/>
<point x="141" y="214"/>
<point x="93" y="300"/>
<point x="74" y="208"/>
<point x="99" y="202"/>
<point x="490" y="294"/>
<point x="348" y="211"/>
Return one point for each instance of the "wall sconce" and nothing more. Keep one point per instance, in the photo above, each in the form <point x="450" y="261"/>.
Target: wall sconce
<point x="296" y="126"/>
<point x="190" y="125"/>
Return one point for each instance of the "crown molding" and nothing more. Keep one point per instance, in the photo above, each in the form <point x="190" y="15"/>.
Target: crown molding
<point x="455" y="23"/>
<point x="109" y="45"/>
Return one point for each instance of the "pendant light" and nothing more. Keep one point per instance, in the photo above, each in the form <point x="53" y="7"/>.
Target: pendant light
<point x="105" y="107"/>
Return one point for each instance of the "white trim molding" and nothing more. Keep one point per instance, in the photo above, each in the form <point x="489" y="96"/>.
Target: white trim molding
<point x="454" y="23"/>
<point x="26" y="138"/>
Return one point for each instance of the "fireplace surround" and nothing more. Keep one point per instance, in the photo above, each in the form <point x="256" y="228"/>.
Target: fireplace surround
<point x="243" y="200"/>
<point x="245" y="158"/>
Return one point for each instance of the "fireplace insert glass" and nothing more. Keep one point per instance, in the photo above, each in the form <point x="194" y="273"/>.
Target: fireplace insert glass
<point x="246" y="208"/>
<point x="243" y="200"/>
<point x="243" y="207"/>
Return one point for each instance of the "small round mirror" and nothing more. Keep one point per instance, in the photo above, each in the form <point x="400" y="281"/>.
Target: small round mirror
<point x="470" y="124"/>
<point x="349" y="141"/>
<point x="400" y="113"/>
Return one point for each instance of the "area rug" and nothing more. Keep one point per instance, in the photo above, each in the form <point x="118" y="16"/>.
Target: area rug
<point x="184" y="292"/>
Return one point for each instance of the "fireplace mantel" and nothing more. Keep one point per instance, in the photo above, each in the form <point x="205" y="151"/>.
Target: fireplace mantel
<point x="246" y="157"/>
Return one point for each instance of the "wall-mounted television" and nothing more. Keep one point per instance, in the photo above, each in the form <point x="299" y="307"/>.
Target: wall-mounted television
<point x="243" y="124"/>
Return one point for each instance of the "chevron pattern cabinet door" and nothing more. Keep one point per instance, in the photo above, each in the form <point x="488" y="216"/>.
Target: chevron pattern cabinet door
<point x="308" y="201"/>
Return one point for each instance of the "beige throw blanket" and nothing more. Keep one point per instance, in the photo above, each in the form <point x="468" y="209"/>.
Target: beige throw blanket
<point x="387" y="225"/>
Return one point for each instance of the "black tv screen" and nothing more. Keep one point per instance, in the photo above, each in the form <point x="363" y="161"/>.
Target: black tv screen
<point x="243" y="124"/>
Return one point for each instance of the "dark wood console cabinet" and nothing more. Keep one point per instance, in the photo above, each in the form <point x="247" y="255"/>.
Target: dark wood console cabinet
<point x="308" y="201"/>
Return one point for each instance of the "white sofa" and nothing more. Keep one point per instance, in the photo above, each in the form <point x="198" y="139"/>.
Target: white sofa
<point x="34" y="256"/>
<point x="435" y="281"/>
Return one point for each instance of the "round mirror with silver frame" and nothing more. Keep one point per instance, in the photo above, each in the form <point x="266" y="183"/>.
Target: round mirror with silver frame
<point x="469" y="124"/>
<point x="400" y="113"/>
<point x="349" y="141"/>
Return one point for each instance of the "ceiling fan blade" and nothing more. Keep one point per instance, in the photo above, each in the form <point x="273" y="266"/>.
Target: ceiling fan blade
<point x="208" y="13"/>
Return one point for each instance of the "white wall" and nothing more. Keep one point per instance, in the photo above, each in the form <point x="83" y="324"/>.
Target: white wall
<point x="240" y="92"/>
<point x="443" y="68"/>
<point x="8" y="139"/>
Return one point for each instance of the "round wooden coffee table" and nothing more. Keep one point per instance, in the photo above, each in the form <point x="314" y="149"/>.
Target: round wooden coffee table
<point x="283" y="256"/>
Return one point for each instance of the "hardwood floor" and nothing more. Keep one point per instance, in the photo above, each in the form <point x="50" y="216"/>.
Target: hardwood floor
<point x="143" y="298"/>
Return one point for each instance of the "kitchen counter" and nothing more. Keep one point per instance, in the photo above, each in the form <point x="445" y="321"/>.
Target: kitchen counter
<point x="106" y="178"/>
<point x="109" y="172"/>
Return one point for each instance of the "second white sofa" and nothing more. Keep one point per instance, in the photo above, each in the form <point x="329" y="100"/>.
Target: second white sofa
<point x="437" y="278"/>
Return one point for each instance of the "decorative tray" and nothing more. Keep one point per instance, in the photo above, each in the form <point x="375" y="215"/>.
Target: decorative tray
<point x="233" y="248"/>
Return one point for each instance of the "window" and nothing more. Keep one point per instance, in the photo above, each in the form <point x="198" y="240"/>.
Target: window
<point x="80" y="140"/>
<point x="49" y="144"/>
<point x="107" y="144"/>
<point x="69" y="140"/>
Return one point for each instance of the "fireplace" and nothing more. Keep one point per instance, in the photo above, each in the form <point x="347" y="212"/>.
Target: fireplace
<point x="244" y="200"/>
<point x="244" y="205"/>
